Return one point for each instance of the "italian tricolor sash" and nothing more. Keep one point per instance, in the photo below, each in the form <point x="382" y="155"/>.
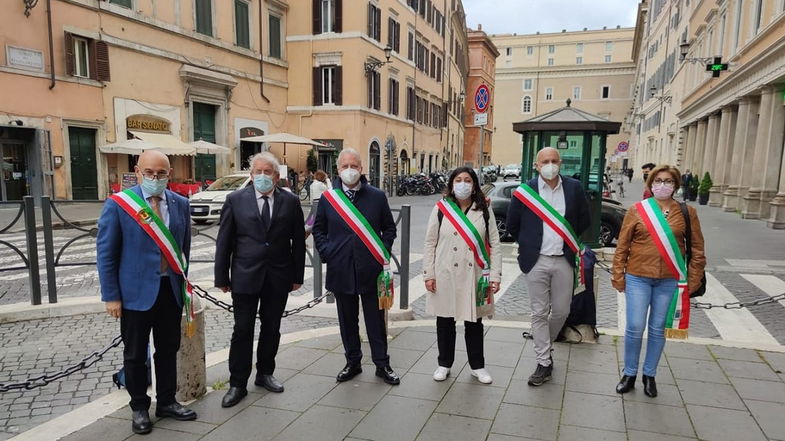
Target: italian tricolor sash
<point x="557" y="223"/>
<point x="475" y="242"/>
<point x="140" y="211"/>
<point x="359" y="224"/>
<point x="678" y="319"/>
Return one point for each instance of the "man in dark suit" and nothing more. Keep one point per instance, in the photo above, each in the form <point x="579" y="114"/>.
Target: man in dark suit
<point x="260" y="258"/>
<point x="141" y="289"/>
<point x="352" y="269"/>
<point x="686" y="180"/>
<point x="547" y="262"/>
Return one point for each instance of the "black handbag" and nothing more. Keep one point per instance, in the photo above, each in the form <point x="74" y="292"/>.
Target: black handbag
<point x="688" y="237"/>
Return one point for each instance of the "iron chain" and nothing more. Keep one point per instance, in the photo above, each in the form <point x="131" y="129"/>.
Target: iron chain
<point x="731" y="305"/>
<point x="86" y="362"/>
<point x="43" y="380"/>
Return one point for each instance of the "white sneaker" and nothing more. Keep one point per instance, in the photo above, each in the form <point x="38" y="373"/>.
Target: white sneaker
<point x="441" y="373"/>
<point x="482" y="376"/>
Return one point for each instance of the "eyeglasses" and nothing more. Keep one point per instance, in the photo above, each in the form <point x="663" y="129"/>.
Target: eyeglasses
<point x="157" y="176"/>
<point x="669" y="182"/>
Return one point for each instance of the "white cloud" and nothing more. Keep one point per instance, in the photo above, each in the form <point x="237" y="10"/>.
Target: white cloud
<point x="530" y="16"/>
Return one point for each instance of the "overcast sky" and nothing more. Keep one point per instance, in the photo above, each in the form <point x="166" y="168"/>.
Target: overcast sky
<point x="530" y="16"/>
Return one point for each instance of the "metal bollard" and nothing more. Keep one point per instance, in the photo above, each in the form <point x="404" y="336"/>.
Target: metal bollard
<point x="49" y="249"/>
<point x="32" y="250"/>
<point x="406" y="229"/>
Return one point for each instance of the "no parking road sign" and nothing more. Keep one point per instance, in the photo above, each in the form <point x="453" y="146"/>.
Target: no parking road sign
<point x="623" y="146"/>
<point x="482" y="98"/>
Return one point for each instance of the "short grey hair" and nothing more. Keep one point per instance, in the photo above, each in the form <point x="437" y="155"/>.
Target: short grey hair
<point x="268" y="158"/>
<point x="349" y="151"/>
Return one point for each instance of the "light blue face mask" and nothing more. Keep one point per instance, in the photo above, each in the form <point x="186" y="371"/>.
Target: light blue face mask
<point x="263" y="183"/>
<point x="154" y="187"/>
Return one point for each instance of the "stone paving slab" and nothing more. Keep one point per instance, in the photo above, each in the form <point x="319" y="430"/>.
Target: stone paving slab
<point x="713" y="403"/>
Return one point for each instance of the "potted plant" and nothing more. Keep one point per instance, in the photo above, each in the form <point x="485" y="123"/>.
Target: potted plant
<point x="693" y="188"/>
<point x="311" y="162"/>
<point x="703" y="189"/>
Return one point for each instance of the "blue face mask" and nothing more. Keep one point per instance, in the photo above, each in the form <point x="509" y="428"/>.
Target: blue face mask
<point x="154" y="187"/>
<point x="262" y="183"/>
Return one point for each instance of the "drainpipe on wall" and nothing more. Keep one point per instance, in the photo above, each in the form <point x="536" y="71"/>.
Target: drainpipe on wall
<point x="51" y="43"/>
<point x="261" y="54"/>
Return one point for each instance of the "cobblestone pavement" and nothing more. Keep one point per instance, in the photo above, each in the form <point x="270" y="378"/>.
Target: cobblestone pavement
<point x="705" y="392"/>
<point x="35" y="347"/>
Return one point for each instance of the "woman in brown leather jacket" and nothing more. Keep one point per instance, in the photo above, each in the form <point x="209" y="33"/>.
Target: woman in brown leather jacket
<point x="644" y="276"/>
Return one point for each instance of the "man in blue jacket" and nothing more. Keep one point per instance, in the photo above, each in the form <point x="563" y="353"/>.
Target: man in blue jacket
<point x="141" y="289"/>
<point x="548" y="263"/>
<point x="351" y="268"/>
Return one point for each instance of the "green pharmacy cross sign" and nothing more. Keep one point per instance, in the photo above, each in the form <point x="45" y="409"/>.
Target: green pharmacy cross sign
<point x="716" y="67"/>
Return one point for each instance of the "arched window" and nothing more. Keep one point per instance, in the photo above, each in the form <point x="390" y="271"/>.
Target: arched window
<point x="526" y="104"/>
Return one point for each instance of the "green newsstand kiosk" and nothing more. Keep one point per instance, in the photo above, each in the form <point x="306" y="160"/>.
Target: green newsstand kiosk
<point x="580" y="138"/>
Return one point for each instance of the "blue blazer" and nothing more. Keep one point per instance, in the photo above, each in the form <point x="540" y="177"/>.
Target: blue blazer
<point x="129" y="261"/>
<point x="526" y="227"/>
<point x="351" y="268"/>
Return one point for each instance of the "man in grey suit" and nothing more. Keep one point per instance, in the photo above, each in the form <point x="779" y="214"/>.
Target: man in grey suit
<point x="260" y="258"/>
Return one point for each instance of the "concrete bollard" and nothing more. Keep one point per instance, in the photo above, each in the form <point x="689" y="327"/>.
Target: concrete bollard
<point x="191" y="368"/>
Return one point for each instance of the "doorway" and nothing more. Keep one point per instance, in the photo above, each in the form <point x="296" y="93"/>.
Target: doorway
<point x="84" y="173"/>
<point x="13" y="164"/>
<point x="374" y="164"/>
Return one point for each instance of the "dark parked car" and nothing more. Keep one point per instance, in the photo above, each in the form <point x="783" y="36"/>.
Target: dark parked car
<point x="500" y="193"/>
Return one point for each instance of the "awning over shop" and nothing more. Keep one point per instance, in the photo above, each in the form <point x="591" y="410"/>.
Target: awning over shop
<point x="128" y="147"/>
<point x="166" y="143"/>
<point x="205" y="147"/>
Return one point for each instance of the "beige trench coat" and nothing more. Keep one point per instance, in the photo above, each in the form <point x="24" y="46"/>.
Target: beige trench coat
<point x="449" y="261"/>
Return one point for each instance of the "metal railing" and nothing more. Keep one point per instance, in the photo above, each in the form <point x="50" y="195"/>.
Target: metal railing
<point x="26" y="211"/>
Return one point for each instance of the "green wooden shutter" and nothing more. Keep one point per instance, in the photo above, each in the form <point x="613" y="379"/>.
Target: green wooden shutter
<point x="204" y="17"/>
<point x="242" y="33"/>
<point x="275" y="37"/>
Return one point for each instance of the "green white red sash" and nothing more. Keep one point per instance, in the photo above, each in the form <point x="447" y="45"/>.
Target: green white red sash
<point x="557" y="223"/>
<point x="474" y="240"/>
<point x="678" y="317"/>
<point x="140" y="211"/>
<point x="359" y="224"/>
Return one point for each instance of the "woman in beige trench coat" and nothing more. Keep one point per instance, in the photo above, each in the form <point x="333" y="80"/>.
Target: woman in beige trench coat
<point x="451" y="274"/>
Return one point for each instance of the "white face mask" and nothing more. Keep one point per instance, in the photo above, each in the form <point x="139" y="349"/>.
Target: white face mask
<point x="462" y="190"/>
<point x="350" y="176"/>
<point x="549" y="171"/>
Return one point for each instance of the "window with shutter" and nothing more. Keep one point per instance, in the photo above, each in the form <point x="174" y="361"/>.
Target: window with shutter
<point x="81" y="50"/>
<point x="68" y="45"/>
<point x="317" y="86"/>
<point x="316" y="16"/>
<point x="410" y="51"/>
<point x="275" y="37"/>
<point x="102" y="61"/>
<point x="241" y="26"/>
<point x="204" y="17"/>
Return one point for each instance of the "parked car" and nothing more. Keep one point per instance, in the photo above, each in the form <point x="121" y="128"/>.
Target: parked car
<point x="500" y="194"/>
<point x="206" y="205"/>
<point x="489" y="172"/>
<point x="511" y="171"/>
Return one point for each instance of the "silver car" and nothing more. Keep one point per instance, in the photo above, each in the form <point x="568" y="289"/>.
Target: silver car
<point x="206" y="205"/>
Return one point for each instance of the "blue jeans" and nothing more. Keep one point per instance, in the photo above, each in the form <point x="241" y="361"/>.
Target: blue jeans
<point x="646" y="295"/>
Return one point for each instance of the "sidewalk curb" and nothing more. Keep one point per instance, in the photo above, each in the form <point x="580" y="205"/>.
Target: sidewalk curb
<point x="83" y="416"/>
<point x="18" y="312"/>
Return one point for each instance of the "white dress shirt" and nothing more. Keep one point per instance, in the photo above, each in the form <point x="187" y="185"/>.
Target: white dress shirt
<point x="346" y="187"/>
<point x="552" y="243"/>
<point x="163" y="208"/>
<point x="270" y="202"/>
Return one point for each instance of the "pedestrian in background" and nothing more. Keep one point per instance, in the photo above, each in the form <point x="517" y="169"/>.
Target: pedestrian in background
<point x="319" y="185"/>
<point x="653" y="229"/>
<point x="547" y="216"/>
<point x="462" y="270"/>
<point x="141" y="286"/>
<point x="354" y="231"/>
<point x="686" y="181"/>
<point x="260" y="258"/>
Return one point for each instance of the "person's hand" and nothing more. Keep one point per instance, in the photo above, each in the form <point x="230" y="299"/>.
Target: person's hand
<point x="114" y="308"/>
<point x="225" y="288"/>
<point x="430" y="285"/>
<point x="495" y="287"/>
<point x="296" y="286"/>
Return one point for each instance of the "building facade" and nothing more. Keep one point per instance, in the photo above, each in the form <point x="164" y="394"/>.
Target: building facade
<point x="731" y="125"/>
<point x="537" y="73"/>
<point x="176" y="72"/>
<point x="482" y="73"/>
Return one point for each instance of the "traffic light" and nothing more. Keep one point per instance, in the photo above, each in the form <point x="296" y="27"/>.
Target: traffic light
<point x="716" y="67"/>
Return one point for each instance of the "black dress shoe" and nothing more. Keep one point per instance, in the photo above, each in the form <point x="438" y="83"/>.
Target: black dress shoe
<point x="233" y="396"/>
<point x="140" y="422"/>
<point x="270" y="383"/>
<point x="349" y="371"/>
<point x="649" y="386"/>
<point x="176" y="411"/>
<point x="389" y="375"/>
<point x="626" y="384"/>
